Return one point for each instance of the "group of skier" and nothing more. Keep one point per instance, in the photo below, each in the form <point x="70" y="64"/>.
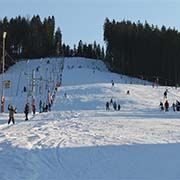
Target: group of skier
<point x="113" y="104"/>
<point x="165" y="106"/>
<point x="43" y="107"/>
<point x="46" y="106"/>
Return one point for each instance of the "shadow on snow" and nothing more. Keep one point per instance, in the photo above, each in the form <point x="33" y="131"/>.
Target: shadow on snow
<point x="138" y="161"/>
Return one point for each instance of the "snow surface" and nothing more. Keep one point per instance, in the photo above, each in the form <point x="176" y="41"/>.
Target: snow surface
<point x="79" y="139"/>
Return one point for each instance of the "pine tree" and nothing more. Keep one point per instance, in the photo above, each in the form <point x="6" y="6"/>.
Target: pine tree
<point x="80" y="49"/>
<point x="58" y="42"/>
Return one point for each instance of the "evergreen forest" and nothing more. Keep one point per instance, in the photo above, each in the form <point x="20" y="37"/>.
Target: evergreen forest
<point x="135" y="49"/>
<point x="29" y="38"/>
<point x="144" y="51"/>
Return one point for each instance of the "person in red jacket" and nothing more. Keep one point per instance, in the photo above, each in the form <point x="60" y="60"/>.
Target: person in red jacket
<point x="166" y="105"/>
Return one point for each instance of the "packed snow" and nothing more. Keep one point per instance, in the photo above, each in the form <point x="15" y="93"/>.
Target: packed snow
<point x="79" y="139"/>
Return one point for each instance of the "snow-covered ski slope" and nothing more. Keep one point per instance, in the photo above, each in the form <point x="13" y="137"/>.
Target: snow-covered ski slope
<point x="79" y="139"/>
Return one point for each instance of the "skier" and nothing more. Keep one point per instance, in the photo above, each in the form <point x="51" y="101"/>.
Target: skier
<point x="119" y="107"/>
<point x="165" y="94"/>
<point x="65" y="95"/>
<point x="49" y="101"/>
<point x="37" y="69"/>
<point x="112" y="83"/>
<point x="34" y="109"/>
<point x="53" y="97"/>
<point x="24" y="89"/>
<point x="49" y="106"/>
<point x="107" y="105"/>
<point x="128" y="92"/>
<point x="161" y="106"/>
<point x="26" y="111"/>
<point x="166" y="105"/>
<point x="115" y="105"/>
<point x="2" y="103"/>
<point x="33" y="105"/>
<point x="44" y="107"/>
<point x="12" y="110"/>
<point x="111" y="101"/>
<point x="177" y="105"/>
<point x="40" y="106"/>
<point x="174" y="106"/>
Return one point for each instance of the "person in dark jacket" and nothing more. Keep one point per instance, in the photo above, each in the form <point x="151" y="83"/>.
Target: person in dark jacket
<point x="26" y="111"/>
<point x="161" y="106"/>
<point x="111" y="101"/>
<point x="165" y="94"/>
<point x="107" y="106"/>
<point x="44" y="107"/>
<point x="174" y="106"/>
<point x="24" y="89"/>
<point x="119" y="107"/>
<point x="115" y="105"/>
<point x="112" y="82"/>
<point x="177" y="105"/>
<point x="34" y="109"/>
<point x="12" y="110"/>
<point x="40" y="107"/>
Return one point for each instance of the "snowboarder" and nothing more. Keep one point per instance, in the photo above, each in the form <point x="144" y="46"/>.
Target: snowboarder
<point x="12" y="110"/>
<point x="26" y="111"/>
<point x="107" y="105"/>
<point x="128" y="92"/>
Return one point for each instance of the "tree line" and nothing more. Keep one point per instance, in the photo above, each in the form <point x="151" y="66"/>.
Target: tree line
<point x="29" y="38"/>
<point x="143" y="50"/>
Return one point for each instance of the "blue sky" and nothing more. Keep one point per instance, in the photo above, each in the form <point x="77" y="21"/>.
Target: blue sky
<point x="84" y="19"/>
